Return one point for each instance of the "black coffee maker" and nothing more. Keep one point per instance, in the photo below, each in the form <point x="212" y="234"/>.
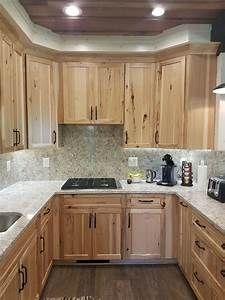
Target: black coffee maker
<point x="168" y="172"/>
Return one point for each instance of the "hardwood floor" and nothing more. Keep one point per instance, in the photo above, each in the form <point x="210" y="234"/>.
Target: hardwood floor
<point x="119" y="282"/>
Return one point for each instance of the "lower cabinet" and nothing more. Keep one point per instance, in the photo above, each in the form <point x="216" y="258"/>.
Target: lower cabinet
<point x="184" y="238"/>
<point x="11" y="288"/>
<point x="45" y="249"/>
<point x="91" y="228"/>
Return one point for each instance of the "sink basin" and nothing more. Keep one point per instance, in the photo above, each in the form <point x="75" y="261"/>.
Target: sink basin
<point x="7" y="219"/>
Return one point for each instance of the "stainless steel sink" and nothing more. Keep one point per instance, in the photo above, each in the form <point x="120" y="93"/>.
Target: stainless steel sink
<point x="7" y="219"/>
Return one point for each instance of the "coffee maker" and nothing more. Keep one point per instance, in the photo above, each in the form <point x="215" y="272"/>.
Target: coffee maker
<point x="168" y="174"/>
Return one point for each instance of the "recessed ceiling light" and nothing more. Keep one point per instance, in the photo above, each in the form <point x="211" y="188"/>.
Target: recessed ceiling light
<point x="72" y="10"/>
<point x="158" y="11"/>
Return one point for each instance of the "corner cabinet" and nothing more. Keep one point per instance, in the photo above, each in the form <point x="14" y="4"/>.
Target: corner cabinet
<point x="42" y="101"/>
<point x="93" y="93"/>
<point x="12" y="102"/>
<point x="170" y="103"/>
<point x="139" y="104"/>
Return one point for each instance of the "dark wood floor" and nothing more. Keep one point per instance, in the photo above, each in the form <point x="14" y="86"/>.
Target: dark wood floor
<point x="119" y="282"/>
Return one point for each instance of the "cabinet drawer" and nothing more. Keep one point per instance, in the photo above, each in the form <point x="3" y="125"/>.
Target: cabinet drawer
<point x="206" y="254"/>
<point x="92" y="202"/>
<point x="210" y="232"/>
<point x="203" y="285"/>
<point x="147" y="202"/>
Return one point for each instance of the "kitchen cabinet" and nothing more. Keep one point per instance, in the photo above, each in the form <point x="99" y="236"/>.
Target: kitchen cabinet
<point x="11" y="289"/>
<point x="93" y="93"/>
<point x="45" y="250"/>
<point x="139" y="105"/>
<point x="107" y="233"/>
<point x="170" y="103"/>
<point x="91" y="228"/>
<point x="184" y="238"/>
<point x="145" y="228"/>
<point x="42" y="102"/>
<point x="13" y="128"/>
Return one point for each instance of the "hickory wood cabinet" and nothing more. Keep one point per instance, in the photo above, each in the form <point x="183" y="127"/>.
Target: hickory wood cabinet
<point x="93" y="93"/>
<point x="42" y="101"/>
<point x="12" y="100"/>
<point x="91" y="227"/>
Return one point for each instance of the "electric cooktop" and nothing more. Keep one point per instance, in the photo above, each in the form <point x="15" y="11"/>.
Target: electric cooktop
<point x="89" y="183"/>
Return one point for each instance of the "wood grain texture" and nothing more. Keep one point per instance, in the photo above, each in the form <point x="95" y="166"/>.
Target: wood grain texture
<point x="119" y="282"/>
<point x="139" y="104"/>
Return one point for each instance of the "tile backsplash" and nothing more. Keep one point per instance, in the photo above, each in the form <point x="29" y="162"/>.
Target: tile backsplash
<point x="96" y="151"/>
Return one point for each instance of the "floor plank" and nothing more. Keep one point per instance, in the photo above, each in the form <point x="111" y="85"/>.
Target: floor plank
<point x="142" y="282"/>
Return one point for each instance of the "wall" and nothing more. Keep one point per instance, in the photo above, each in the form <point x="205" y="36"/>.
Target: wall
<point x="95" y="151"/>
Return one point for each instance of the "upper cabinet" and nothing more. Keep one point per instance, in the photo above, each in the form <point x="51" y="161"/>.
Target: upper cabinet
<point x="139" y="104"/>
<point x="93" y="93"/>
<point x="12" y="102"/>
<point x="42" y="101"/>
<point x="170" y="103"/>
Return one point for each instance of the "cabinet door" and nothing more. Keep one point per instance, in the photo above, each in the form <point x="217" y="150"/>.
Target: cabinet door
<point x="28" y="264"/>
<point x="184" y="238"/>
<point x="45" y="250"/>
<point x="139" y="105"/>
<point x="7" y="118"/>
<point x="79" y="92"/>
<point x="10" y="289"/>
<point x="170" y="104"/>
<point x="107" y="233"/>
<point x="19" y="101"/>
<point x="41" y="102"/>
<point x="76" y="233"/>
<point x="109" y="103"/>
<point x="145" y="233"/>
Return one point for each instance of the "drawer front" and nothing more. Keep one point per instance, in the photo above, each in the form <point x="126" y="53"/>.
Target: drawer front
<point x="214" y="235"/>
<point x="202" y="284"/>
<point x="205" y="253"/>
<point x="146" y="202"/>
<point x="92" y="201"/>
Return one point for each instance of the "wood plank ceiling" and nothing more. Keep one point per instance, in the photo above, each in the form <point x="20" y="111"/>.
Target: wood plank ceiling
<point x="124" y="17"/>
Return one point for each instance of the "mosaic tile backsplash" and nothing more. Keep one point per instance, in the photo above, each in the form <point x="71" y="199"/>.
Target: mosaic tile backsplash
<point x="96" y="151"/>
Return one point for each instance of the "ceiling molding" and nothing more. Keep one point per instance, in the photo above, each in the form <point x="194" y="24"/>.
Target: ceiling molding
<point x="44" y="37"/>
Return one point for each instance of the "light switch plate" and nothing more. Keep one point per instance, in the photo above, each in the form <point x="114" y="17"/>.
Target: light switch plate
<point x="132" y="161"/>
<point x="45" y="161"/>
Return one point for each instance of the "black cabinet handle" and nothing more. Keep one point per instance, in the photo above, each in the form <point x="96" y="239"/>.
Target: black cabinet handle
<point x="15" y="137"/>
<point x="54" y="137"/>
<point x="129" y="220"/>
<point x="47" y="211"/>
<point x="182" y="204"/>
<point x="90" y="220"/>
<point x="91" y="113"/>
<point x="197" y="243"/>
<point x="43" y="244"/>
<point x="96" y="113"/>
<point x="222" y="272"/>
<point x="19" y="138"/>
<point x="23" y="280"/>
<point x="199" y="224"/>
<point x="163" y="204"/>
<point x="145" y="201"/>
<point x="25" y="276"/>
<point x="223" y="246"/>
<point x="157" y="137"/>
<point x="126" y="137"/>
<point x="196" y="276"/>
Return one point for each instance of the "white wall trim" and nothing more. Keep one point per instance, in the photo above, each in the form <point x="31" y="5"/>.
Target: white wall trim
<point x="44" y="37"/>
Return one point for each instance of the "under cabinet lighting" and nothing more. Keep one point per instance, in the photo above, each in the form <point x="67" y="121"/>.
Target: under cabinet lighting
<point x="220" y="89"/>
<point x="158" y="11"/>
<point x="72" y="10"/>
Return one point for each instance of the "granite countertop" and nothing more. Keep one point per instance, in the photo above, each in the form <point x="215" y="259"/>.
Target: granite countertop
<point x="29" y="197"/>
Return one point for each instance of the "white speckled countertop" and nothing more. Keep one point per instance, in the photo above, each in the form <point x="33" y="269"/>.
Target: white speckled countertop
<point x="29" y="197"/>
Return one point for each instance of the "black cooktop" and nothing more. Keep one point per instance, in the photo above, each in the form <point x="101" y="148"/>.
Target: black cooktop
<point x="89" y="183"/>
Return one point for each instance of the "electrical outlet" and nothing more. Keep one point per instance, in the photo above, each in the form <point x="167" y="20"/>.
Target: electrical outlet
<point x="132" y="161"/>
<point x="45" y="161"/>
<point x="8" y="165"/>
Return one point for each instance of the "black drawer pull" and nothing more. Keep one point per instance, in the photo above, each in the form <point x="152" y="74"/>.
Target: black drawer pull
<point x="199" y="224"/>
<point x="23" y="281"/>
<point x="197" y="243"/>
<point x="95" y="221"/>
<point x="43" y="244"/>
<point x="47" y="211"/>
<point x="163" y="204"/>
<point x="182" y="204"/>
<point x="222" y="272"/>
<point x="196" y="276"/>
<point x="129" y="220"/>
<point x="145" y="201"/>
<point x="223" y="246"/>
<point x="90" y="220"/>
